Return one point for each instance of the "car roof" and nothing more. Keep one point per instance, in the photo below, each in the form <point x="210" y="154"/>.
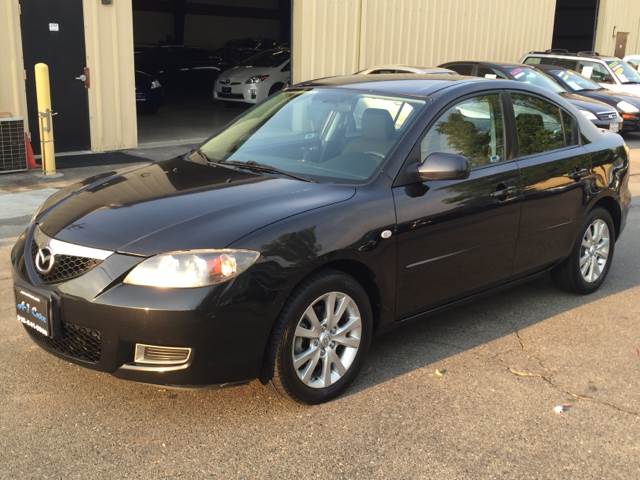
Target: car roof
<point x="412" y="67"/>
<point x="497" y="65"/>
<point x="412" y="84"/>
<point x="570" y="56"/>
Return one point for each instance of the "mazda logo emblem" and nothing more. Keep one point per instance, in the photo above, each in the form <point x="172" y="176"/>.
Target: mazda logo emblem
<point x="44" y="260"/>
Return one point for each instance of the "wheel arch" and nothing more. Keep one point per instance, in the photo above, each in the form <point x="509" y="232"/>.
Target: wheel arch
<point x="611" y="205"/>
<point x="355" y="269"/>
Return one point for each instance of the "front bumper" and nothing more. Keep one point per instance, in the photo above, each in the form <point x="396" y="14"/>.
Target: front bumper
<point x="101" y="320"/>
<point x="243" y="93"/>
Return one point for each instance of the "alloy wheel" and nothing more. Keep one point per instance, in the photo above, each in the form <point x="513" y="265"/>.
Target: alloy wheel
<point x="326" y="340"/>
<point x="594" y="250"/>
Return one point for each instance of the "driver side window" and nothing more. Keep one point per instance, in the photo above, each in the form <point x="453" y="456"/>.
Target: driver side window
<point x="474" y="128"/>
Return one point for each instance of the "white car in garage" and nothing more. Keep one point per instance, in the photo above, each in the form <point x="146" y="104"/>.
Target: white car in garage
<point x="255" y="78"/>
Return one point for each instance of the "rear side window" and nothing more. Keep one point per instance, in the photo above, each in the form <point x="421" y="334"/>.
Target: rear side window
<point x="461" y="68"/>
<point x="532" y="61"/>
<point x="595" y="71"/>
<point x="487" y="72"/>
<point x="541" y="126"/>
<point x="473" y="128"/>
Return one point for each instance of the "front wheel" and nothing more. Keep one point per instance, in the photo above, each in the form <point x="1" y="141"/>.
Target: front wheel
<point x="585" y="270"/>
<point x="321" y="338"/>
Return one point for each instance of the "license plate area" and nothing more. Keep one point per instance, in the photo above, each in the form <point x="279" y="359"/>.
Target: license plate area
<point x="35" y="310"/>
<point x="614" y="127"/>
<point x="226" y="89"/>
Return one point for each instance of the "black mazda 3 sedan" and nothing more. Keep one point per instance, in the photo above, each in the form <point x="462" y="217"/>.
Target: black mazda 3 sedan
<point x="334" y="210"/>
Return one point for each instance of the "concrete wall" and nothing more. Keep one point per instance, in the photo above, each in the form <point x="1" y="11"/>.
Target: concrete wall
<point x="12" y="88"/>
<point x="618" y="16"/>
<point x="342" y="36"/>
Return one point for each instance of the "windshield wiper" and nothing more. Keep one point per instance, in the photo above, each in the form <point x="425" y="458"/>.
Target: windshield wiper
<point x="262" y="167"/>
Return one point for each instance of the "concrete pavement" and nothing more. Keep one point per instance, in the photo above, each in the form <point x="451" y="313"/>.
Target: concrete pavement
<point x="469" y="394"/>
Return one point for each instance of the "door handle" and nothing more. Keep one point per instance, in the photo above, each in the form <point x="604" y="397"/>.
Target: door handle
<point x="503" y="192"/>
<point x="578" y="174"/>
<point x="84" y="77"/>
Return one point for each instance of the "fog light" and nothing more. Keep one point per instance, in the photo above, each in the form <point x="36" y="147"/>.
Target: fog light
<point x="161" y="356"/>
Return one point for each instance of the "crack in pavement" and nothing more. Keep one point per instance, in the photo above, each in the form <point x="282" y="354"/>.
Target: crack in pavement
<point x="547" y="377"/>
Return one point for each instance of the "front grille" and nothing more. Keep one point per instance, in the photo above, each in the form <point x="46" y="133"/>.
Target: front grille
<point x="65" y="267"/>
<point x="80" y="343"/>
<point x="607" y="115"/>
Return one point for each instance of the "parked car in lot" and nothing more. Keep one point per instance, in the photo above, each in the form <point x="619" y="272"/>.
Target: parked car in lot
<point x="609" y="72"/>
<point x="179" y="66"/>
<point x="149" y="95"/>
<point x="279" y="247"/>
<point x="601" y="114"/>
<point x="256" y="78"/>
<point x="627" y="105"/>
<point x="383" y="69"/>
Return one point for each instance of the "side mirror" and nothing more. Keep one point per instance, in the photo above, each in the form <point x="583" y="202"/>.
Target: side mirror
<point x="444" y="166"/>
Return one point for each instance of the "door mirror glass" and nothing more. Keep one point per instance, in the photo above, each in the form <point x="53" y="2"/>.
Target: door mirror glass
<point x="444" y="166"/>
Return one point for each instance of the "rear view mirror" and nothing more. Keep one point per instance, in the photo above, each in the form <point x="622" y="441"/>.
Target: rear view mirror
<point x="444" y="166"/>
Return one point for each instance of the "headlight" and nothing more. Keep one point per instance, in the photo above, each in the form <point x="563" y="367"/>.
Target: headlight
<point x="626" y="107"/>
<point x="194" y="268"/>
<point x="155" y="84"/>
<point x="257" y="79"/>
<point x="588" y="115"/>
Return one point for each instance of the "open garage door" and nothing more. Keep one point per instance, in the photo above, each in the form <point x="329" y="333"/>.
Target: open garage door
<point x="199" y="63"/>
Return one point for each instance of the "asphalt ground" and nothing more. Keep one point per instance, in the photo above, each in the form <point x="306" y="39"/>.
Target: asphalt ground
<point x="471" y="393"/>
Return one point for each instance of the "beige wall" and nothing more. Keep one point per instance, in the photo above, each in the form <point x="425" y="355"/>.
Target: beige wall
<point x="12" y="93"/>
<point x="343" y="36"/>
<point x="112" y="101"/>
<point x="624" y="16"/>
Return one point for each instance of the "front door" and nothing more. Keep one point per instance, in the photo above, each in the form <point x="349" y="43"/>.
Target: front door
<point x="459" y="236"/>
<point x="53" y="33"/>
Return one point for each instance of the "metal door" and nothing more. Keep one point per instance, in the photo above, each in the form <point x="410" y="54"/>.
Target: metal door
<point x="53" y="33"/>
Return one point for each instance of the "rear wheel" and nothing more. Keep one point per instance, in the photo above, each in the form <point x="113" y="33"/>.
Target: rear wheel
<point x="588" y="265"/>
<point x="321" y="338"/>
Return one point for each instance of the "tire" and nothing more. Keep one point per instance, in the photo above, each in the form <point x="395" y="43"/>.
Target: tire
<point x="568" y="275"/>
<point x="307" y="382"/>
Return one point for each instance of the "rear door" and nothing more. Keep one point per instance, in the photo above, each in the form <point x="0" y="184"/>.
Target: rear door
<point x="53" y="33"/>
<point x="555" y="171"/>
<point x="455" y="237"/>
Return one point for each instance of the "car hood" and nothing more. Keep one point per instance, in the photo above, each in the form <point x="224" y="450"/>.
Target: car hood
<point x="178" y="205"/>
<point x="633" y="89"/>
<point x="612" y="98"/>
<point x="588" y="104"/>
<point x="240" y="73"/>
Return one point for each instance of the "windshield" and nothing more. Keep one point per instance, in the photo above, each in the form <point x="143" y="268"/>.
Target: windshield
<point x="574" y="81"/>
<point x="270" y="58"/>
<point x="337" y="135"/>
<point x="532" y="77"/>
<point x="624" y="71"/>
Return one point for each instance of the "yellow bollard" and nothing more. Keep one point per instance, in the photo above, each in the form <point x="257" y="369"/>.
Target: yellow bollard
<point x="45" y="119"/>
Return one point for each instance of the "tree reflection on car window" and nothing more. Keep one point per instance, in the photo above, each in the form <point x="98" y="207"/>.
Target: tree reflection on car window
<point x="538" y="124"/>
<point x="473" y="128"/>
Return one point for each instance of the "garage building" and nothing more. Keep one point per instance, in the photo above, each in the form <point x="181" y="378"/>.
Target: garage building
<point x="93" y="43"/>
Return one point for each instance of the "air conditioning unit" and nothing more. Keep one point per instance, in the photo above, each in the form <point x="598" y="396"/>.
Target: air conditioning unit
<point x="13" y="157"/>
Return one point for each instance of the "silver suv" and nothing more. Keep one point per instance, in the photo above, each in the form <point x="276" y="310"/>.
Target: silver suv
<point x="610" y="72"/>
